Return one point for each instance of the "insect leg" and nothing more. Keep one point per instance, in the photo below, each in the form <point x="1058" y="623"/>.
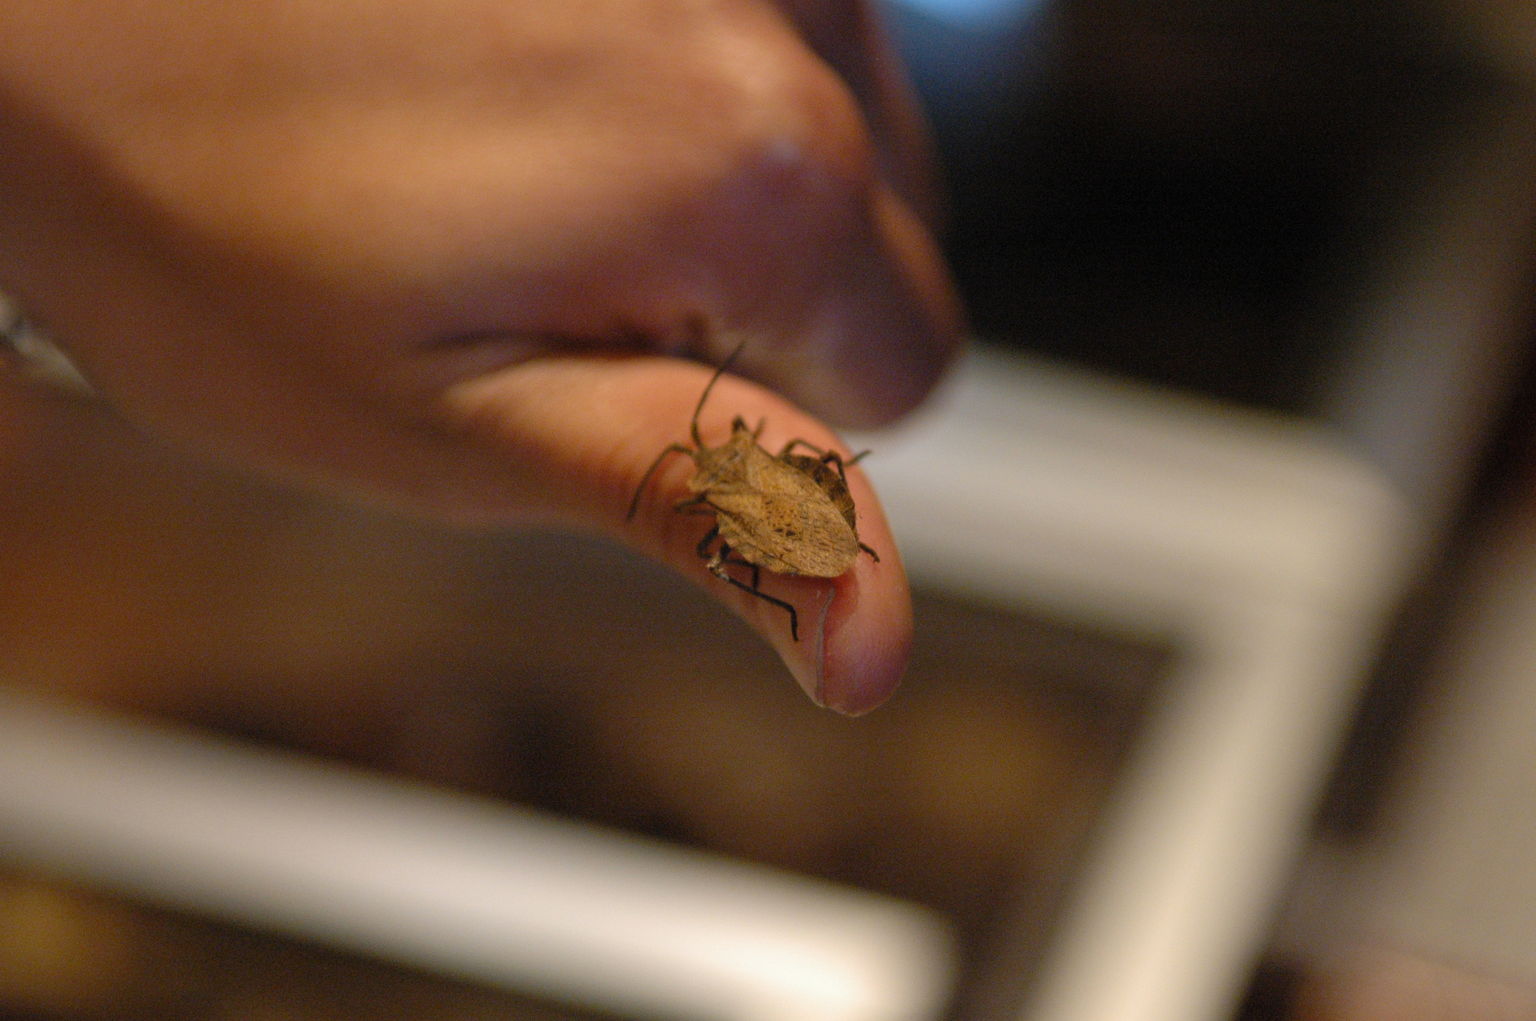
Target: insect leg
<point x="792" y="444"/>
<point x="830" y="457"/>
<point x="694" y="505"/>
<point x="716" y="566"/>
<point x="757" y="574"/>
<point x="670" y="448"/>
<point x="702" y="549"/>
<point x="840" y="462"/>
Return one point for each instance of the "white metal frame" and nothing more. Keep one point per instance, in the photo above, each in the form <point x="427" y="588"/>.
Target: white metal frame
<point x="1266" y="554"/>
<point x="1271" y="558"/>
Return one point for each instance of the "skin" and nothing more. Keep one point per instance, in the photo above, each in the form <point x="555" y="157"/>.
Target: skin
<point x="446" y="255"/>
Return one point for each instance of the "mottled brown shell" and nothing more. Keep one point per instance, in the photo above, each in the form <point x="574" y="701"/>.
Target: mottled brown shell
<point x="776" y="513"/>
<point x="830" y="481"/>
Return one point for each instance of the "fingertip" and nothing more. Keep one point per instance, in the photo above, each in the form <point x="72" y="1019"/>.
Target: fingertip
<point x="855" y="631"/>
<point x="867" y="637"/>
<point x="855" y="639"/>
<point x="601" y="425"/>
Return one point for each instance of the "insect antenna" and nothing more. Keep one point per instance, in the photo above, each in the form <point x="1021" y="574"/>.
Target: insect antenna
<point x="693" y="427"/>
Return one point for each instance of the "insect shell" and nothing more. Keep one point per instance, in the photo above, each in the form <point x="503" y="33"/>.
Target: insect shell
<point x="792" y="514"/>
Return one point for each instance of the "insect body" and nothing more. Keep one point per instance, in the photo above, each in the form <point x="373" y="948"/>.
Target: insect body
<point x="792" y="514"/>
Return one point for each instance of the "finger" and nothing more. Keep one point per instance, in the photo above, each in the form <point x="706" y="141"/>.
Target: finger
<point x="588" y="428"/>
<point x="832" y="269"/>
<point x="886" y="329"/>
<point x="852" y="39"/>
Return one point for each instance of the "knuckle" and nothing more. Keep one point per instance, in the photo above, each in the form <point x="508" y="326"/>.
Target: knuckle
<point x="809" y="142"/>
<point x="793" y="137"/>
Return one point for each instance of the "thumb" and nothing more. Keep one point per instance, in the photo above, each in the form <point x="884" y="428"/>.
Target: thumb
<point x="580" y="431"/>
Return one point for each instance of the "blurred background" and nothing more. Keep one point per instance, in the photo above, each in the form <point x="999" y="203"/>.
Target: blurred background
<point x="1251" y="283"/>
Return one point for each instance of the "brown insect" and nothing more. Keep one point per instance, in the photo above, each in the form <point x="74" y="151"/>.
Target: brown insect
<point x="792" y="514"/>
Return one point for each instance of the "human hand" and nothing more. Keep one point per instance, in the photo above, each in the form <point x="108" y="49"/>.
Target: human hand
<point x="397" y="250"/>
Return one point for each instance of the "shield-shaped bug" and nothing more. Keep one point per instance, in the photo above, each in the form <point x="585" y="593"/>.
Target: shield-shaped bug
<point x="792" y="514"/>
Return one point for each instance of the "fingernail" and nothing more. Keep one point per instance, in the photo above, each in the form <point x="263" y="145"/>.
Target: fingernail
<point x="807" y="659"/>
<point x="858" y="671"/>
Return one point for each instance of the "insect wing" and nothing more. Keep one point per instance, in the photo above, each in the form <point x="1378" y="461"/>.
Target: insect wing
<point x="778" y="517"/>
<point x="828" y="481"/>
